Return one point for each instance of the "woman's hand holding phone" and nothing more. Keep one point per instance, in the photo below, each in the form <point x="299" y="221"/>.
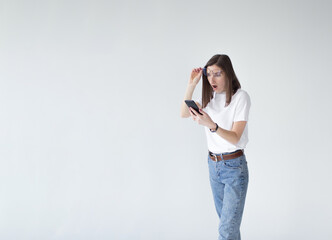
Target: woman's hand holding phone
<point x="202" y="118"/>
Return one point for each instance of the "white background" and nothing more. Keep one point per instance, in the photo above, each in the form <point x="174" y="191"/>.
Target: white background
<point x="92" y="145"/>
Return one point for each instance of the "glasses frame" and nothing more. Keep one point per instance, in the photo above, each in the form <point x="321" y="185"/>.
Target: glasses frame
<point x="215" y="74"/>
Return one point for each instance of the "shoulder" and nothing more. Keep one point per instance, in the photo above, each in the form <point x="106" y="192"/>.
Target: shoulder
<point x="241" y="95"/>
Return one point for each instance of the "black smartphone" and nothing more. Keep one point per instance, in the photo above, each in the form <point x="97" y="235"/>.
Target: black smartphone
<point x="191" y="103"/>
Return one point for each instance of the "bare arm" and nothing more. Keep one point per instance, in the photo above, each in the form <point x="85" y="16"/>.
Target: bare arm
<point x="233" y="136"/>
<point x="194" y="79"/>
<point x="188" y="96"/>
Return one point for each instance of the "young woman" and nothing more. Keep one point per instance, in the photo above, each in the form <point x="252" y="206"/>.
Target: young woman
<point x="224" y="109"/>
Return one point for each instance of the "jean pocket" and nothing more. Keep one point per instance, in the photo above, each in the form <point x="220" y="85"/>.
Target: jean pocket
<point x="235" y="163"/>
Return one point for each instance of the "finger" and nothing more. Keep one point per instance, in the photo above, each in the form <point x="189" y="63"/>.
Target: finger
<point x="193" y="116"/>
<point x="194" y="111"/>
<point x="191" y="113"/>
<point x="203" y="113"/>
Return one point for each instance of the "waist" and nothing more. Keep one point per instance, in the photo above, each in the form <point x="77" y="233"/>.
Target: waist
<point x="226" y="156"/>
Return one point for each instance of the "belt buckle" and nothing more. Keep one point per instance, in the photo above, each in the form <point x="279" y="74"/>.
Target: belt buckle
<point x="215" y="156"/>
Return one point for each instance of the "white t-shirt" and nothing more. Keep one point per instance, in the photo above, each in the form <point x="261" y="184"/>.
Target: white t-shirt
<point x="237" y="110"/>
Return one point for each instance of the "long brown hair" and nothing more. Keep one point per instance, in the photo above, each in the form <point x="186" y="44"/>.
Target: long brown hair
<point x="232" y="83"/>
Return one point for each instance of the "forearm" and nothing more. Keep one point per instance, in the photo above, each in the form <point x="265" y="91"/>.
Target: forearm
<point x="188" y="96"/>
<point x="229" y="136"/>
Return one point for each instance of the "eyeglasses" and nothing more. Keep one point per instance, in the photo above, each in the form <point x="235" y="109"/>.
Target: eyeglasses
<point x="209" y="73"/>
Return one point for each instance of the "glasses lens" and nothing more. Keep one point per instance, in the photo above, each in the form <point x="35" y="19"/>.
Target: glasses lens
<point x="217" y="74"/>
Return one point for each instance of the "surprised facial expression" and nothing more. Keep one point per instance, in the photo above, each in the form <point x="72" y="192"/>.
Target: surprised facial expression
<point x="217" y="78"/>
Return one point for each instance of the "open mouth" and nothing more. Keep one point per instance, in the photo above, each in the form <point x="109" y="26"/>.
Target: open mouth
<point x="214" y="87"/>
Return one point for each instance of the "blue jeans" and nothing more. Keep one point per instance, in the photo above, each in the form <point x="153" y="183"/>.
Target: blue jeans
<point x="229" y="183"/>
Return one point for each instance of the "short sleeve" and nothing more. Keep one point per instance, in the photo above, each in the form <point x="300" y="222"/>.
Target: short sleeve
<point x="242" y="107"/>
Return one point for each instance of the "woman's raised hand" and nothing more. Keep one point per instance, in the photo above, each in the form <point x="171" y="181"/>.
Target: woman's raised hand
<point x="195" y="76"/>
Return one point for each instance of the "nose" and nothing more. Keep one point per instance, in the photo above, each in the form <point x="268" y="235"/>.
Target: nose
<point x="212" y="79"/>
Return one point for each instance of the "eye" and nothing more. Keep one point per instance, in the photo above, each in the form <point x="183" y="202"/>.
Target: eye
<point x="218" y="74"/>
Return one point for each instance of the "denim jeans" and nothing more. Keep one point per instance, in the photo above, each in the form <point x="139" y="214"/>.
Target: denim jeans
<point x="229" y="183"/>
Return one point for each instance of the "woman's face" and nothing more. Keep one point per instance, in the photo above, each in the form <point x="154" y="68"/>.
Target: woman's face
<point x="217" y="78"/>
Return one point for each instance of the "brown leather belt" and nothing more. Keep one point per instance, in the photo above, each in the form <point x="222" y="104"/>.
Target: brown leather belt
<point x="233" y="155"/>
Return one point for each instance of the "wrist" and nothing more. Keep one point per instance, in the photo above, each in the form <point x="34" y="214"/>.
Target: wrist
<point x="214" y="127"/>
<point x="191" y="86"/>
